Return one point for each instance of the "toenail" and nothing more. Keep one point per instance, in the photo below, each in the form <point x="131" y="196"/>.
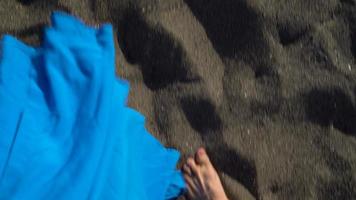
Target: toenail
<point x="201" y="151"/>
<point x="186" y="166"/>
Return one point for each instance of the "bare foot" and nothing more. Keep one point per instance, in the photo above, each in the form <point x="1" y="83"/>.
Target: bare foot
<point x="202" y="180"/>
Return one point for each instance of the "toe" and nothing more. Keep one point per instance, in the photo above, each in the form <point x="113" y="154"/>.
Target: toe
<point x="191" y="186"/>
<point x="193" y="166"/>
<point x="201" y="157"/>
<point x="187" y="170"/>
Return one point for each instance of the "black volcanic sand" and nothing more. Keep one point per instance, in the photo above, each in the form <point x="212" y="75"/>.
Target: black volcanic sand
<point x="268" y="87"/>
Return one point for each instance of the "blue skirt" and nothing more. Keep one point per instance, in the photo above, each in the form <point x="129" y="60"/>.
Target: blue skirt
<point x="65" y="129"/>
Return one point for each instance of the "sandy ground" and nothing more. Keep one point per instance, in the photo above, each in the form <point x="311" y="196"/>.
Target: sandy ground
<point x="268" y="87"/>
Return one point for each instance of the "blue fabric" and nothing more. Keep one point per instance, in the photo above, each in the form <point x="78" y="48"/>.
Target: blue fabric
<point x="66" y="132"/>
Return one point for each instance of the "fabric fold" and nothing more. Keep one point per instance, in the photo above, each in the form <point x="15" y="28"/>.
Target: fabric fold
<point x="66" y="131"/>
